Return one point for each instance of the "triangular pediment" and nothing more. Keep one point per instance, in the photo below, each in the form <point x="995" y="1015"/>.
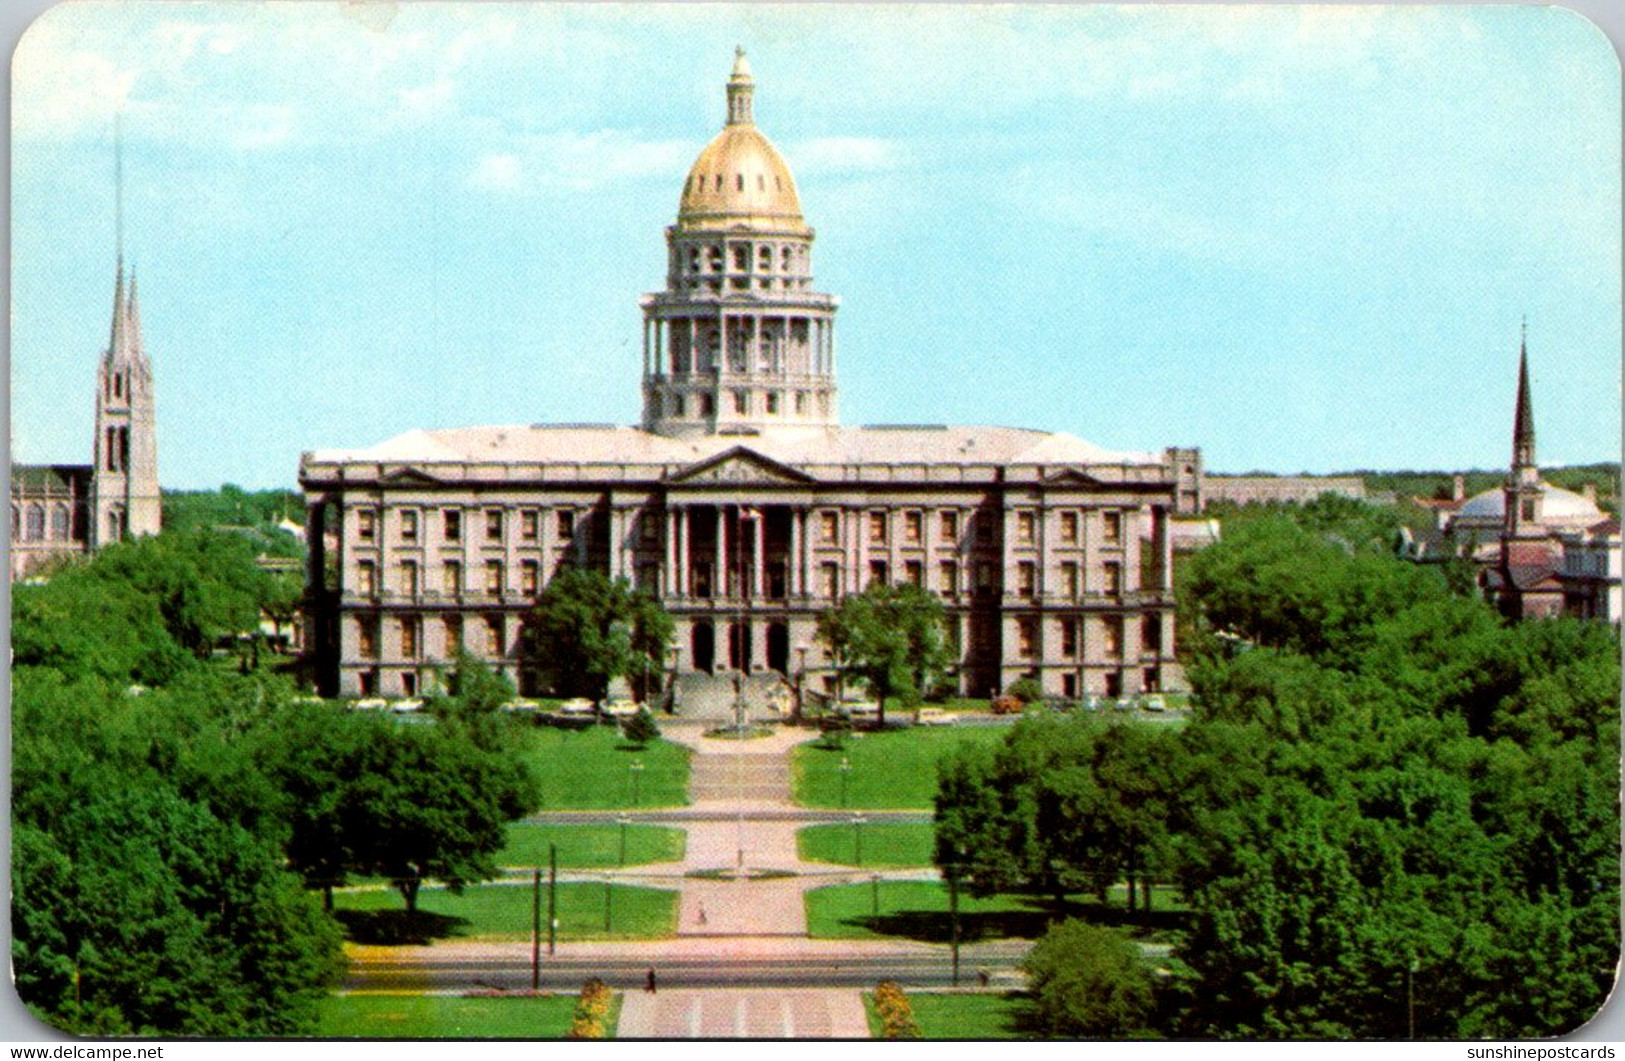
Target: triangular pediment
<point x="741" y="465"/>
<point x="1072" y="477"/>
<point x="408" y="476"/>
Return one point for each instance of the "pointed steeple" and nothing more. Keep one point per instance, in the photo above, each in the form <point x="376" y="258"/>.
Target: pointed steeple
<point x="132" y="323"/>
<point x="115" y="339"/>
<point x="1523" y="423"/>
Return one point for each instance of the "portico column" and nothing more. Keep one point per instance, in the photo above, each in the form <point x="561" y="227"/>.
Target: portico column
<point x="793" y="562"/>
<point x="759" y="561"/>
<point x="684" y="585"/>
<point x="721" y="578"/>
<point x="669" y="579"/>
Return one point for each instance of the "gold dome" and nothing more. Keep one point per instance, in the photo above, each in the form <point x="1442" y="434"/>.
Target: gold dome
<point x="740" y="178"/>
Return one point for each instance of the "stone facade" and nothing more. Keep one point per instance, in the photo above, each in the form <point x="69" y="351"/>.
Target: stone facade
<point x="742" y="503"/>
<point x="1288" y="489"/>
<point x="62" y="510"/>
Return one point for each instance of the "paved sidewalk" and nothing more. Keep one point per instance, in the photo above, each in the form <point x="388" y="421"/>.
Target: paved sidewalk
<point x="808" y="1013"/>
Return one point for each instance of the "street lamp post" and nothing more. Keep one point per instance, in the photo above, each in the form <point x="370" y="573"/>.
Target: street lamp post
<point x="846" y="768"/>
<point x="801" y="678"/>
<point x="857" y="839"/>
<point x="874" y="883"/>
<point x="623" y="821"/>
<point x="953" y="869"/>
<point x="636" y="770"/>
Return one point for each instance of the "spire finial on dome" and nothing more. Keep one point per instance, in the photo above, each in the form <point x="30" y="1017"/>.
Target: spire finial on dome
<point x="740" y="87"/>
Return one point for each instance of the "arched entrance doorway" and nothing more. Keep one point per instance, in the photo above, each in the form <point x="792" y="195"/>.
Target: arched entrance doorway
<point x="739" y="646"/>
<point x="704" y="640"/>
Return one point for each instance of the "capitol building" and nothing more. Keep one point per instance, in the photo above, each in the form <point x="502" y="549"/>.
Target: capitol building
<point x="742" y="502"/>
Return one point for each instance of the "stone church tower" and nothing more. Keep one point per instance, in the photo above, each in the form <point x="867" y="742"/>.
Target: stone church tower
<point x="124" y="479"/>
<point x="739" y="341"/>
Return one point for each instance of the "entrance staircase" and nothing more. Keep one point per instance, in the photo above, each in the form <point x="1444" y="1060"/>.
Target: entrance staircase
<point x="711" y="697"/>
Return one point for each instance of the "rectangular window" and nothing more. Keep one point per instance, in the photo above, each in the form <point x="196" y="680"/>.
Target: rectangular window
<point x="1113" y="578"/>
<point x="493" y="525"/>
<point x="528" y="523"/>
<point x="367" y="639"/>
<point x="493" y="576"/>
<point x="830" y="580"/>
<point x="1151" y="635"/>
<point x="366" y="578"/>
<point x="1112" y="637"/>
<point x="1069" y="580"/>
<point x="1025" y="523"/>
<point x="1026" y="637"/>
<point x="453" y="524"/>
<point x="830" y="527"/>
<point x="1069" y="528"/>
<point x="409" y="578"/>
<point x="913" y="572"/>
<point x="1069" y="638"/>
<point x="877" y="528"/>
<point x="529" y="577"/>
<point x="772" y="404"/>
<point x="493" y="636"/>
<point x="949" y="526"/>
<point x="741" y="402"/>
<point x="409" y="639"/>
<point x="451" y="578"/>
<point x="949" y="572"/>
<point x="409" y="525"/>
<point x="366" y="525"/>
<point x="984" y="576"/>
<point x="453" y="634"/>
<point x="1026" y="579"/>
<point x="911" y="526"/>
<point x="1111" y="527"/>
<point x="878" y="573"/>
<point x="567" y="523"/>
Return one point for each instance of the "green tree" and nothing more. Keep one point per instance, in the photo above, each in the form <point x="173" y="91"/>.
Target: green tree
<point x="587" y="629"/>
<point x="1091" y="982"/>
<point x="640" y="729"/>
<point x="894" y="637"/>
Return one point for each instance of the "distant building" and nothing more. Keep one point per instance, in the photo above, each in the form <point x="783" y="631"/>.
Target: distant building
<point x="1522" y="575"/>
<point x="1590" y="572"/>
<point x="742" y="502"/>
<point x="1288" y="489"/>
<point x="62" y="510"/>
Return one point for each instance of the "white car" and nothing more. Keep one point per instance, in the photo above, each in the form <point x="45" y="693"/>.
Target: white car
<point x="406" y="707"/>
<point x="619" y="707"/>
<point x="373" y="703"/>
<point x="521" y="705"/>
<point x="933" y="716"/>
<point x="1153" y="702"/>
<point x="579" y="706"/>
<point x="856" y="705"/>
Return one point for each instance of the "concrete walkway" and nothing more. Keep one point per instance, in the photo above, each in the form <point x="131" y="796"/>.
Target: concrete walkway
<point x="804" y="1013"/>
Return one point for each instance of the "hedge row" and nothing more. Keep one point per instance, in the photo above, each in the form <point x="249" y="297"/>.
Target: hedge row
<point x="896" y="1015"/>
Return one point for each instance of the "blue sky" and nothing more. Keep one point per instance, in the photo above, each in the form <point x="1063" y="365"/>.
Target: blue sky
<point x="1302" y="239"/>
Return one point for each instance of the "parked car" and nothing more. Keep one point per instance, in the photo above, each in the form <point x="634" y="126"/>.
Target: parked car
<point x="857" y="706"/>
<point x="1123" y="703"/>
<point x="619" y="707"/>
<point x="521" y="705"/>
<point x="372" y="703"/>
<point x="1153" y="702"/>
<point x="406" y="707"/>
<point x="933" y="716"/>
<point x="579" y="706"/>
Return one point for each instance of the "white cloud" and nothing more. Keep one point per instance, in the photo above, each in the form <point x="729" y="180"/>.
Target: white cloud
<point x="496" y="173"/>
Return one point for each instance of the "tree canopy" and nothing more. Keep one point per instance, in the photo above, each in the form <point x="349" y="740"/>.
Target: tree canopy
<point x="892" y="636"/>
<point x="587" y="629"/>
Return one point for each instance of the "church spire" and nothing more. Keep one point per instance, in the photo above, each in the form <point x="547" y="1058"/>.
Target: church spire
<point x="116" y="336"/>
<point x="1523" y="424"/>
<point x="132" y="322"/>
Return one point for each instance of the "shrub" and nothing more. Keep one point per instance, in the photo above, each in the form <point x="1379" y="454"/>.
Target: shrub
<point x="896" y="1014"/>
<point x="592" y="1009"/>
<point x="1027" y="690"/>
<point x="640" y="729"/>
<point x="1089" y="981"/>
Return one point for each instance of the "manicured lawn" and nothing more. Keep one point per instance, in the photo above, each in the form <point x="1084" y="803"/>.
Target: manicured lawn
<point x="919" y="910"/>
<point x="504" y="911"/>
<point x="588" y="846"/>
<point x="443" y="1017"/>
<point x="893" y="769"/>
<point x="591" y="770"/>
<point x="965" y="1016"/>
<point x="884" y="844"/>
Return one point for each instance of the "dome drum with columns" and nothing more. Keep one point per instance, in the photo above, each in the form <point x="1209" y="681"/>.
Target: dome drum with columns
<point x="739" y="341"/>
